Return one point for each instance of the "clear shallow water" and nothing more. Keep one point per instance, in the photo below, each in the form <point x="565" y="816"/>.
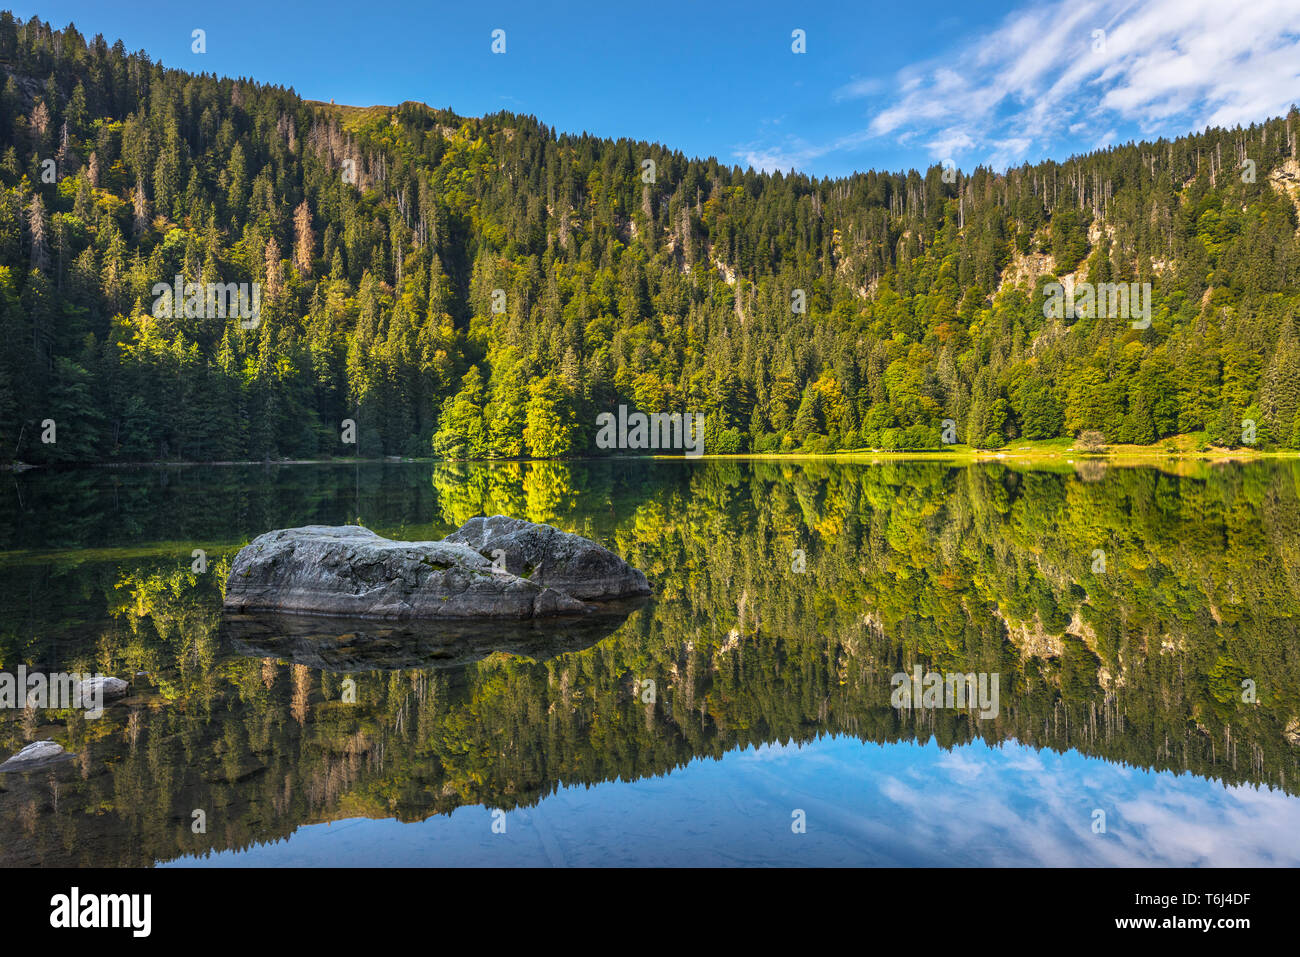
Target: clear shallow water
<point x="1120" y="689"/>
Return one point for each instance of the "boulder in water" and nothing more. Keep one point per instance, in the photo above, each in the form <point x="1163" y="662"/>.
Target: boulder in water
<point x="351" y="571"/>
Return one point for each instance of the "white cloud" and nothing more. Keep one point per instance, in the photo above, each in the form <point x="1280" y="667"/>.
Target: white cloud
<point x="858" y="88"/>
<point x="1012" y="805"/>
<point x="795" y="154"/>
<point x="948" y="143"/>
<point x="1040" y="83"/>
<point x="1041" y="78"/>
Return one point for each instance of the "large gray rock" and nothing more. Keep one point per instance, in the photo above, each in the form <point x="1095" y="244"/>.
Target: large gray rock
<point x="543" y="554"/>
<point x="38" y="754"/>
<point x="349" y="570"/>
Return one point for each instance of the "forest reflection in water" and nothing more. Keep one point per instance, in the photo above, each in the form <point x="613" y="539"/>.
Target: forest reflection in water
<point x="787" y="594"/>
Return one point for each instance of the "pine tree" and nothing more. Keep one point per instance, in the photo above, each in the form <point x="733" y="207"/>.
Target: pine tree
<point x="38" y="228"/>
<point x="271" y="262"/>
<point x="140" y="207"/>
<point x="304" y="241"/>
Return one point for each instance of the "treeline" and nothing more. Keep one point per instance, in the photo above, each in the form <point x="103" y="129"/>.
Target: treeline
<point x="486" y="287"/>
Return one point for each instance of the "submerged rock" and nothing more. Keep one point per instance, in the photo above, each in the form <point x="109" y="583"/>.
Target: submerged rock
<point x="543" y="554"/>
<point x="348" y="570"/>
<point x="38" y="754"/>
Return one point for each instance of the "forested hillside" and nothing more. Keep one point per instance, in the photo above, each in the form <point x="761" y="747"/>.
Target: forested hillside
<point x="378" y="236"/>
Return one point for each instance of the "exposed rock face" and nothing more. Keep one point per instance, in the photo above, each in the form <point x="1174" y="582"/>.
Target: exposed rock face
<point x="38" y="754"/>
<point x="553" y="559"/>
<point x="349" y="570"/>
<point x="1292" y="732"/>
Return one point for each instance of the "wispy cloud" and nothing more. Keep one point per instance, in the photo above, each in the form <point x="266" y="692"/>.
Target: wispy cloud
<point x="1077" y="75"/>
<point x="796" y="153"/>
<point x="859" y="87"/>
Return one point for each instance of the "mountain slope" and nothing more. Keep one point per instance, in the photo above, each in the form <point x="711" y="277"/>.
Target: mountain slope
<point x="488" y="287"/>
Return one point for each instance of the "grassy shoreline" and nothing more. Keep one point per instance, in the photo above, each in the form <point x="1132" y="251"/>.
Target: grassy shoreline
<point x="1187" y="446"/>
<point x="1137" y="454"/>
<point x="1055" y="451"/>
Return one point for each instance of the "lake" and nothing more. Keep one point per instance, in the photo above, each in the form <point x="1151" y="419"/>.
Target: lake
<point x="1138" y="626"/>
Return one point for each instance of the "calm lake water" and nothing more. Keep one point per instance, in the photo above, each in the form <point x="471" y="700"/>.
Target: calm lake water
<point x="1139" y="624"/>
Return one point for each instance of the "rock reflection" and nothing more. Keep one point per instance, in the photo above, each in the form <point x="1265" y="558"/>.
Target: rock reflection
<point x="354" y="645"/>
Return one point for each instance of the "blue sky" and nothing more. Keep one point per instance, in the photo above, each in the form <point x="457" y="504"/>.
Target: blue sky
<point x="883" y="86"/>
<point x="865" y="804"/>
